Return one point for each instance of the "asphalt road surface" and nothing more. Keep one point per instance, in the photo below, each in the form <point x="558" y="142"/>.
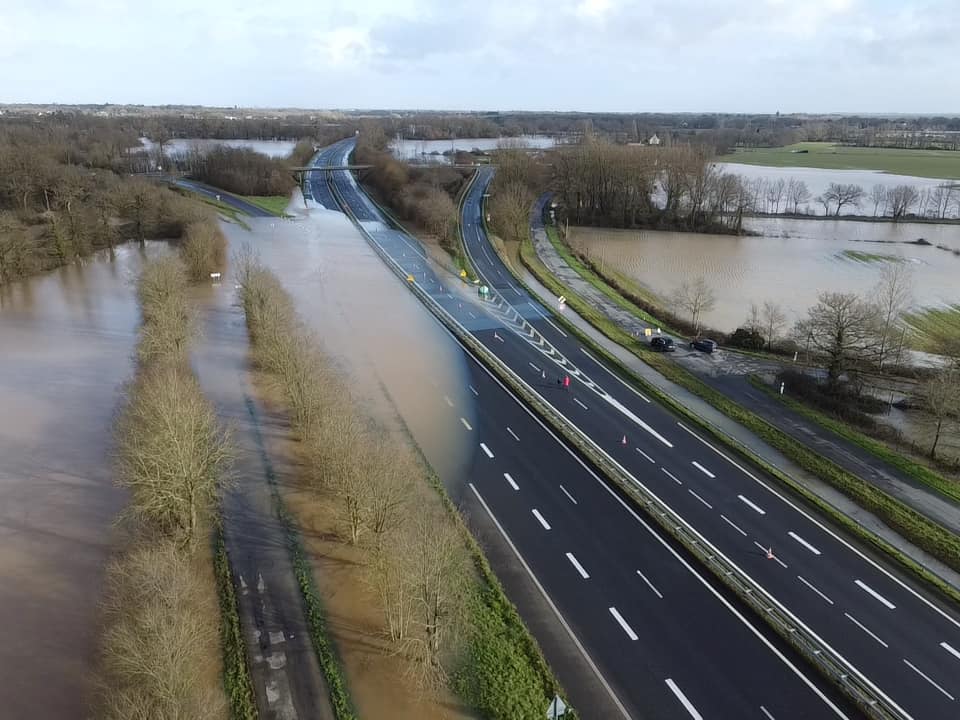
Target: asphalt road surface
<point x="666" y="641"/>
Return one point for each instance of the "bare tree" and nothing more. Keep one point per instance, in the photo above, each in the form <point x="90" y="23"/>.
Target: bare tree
<point x="204" y="249"/>
<point x="824" y="200"/>
<point x="844" y="194"/>
<point x="754" y="322"/>
<point x="510" y="211"/>
<point x="900" y="199"/>
<point x="775" y="193"/>
<point x="696" y="298"/>
<point x="893" y="295"/>
<point x="878" y="194"/>
<point x="772" y="321"/>
<point x="839" y="326"/>
<point x="797" y="193"/>
<point x="941" y="397"/>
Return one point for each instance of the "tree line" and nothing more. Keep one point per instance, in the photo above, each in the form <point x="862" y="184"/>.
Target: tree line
<point x="160" y="606"/>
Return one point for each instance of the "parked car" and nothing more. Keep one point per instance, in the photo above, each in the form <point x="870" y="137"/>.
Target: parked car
<point x="704" y="345"/>
<point x="662" y="344"/>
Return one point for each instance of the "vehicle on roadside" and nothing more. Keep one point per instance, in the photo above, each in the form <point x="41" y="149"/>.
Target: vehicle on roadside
<point x="704" y="345"/>
<point x="662" y="344"/>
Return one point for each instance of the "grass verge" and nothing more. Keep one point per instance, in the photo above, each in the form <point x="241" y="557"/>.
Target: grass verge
<point x="236" y="672"/>
<point x="273" y="204"/>
<point x="912" y="468"/>
<point x="918" y="529"/>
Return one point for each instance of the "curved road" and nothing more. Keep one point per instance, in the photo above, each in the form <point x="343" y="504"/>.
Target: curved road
<point x="665" y="640"/>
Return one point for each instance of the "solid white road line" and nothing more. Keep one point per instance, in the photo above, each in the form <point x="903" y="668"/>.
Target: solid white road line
<point x="449" y="401"/>
<point x="580" y="404"/>
<point x="556" y="611"/>
<point x="646" y="456"/>
<point x="927" y="678"/>
<point x="533" y="366"/>
<point x="860" y="625"/>
<point x="676" y="555"/>
<point x="754" y="506"/>
<point x="702" y="469"/>
<point x="767" y="713"/>
<point x="569" y="495"/>
<point x="700" y="498"/>
<point x="870" y="561"/>
<point x="473" y="390"/>
<point x="474" y="317"/>
<point x="623" y="624"/>
<point x="578" y="566"/>
<point x="513" y="434"/>
<point x="863" y="586"/>
<point x="650" y="585"/>
<point x="814" y="589"/>
<point x="626" y="411"/>
<point x="803" y="542"/>
<point x="952" y="651"/>
<point x="617" y="377"/>
<point x="538" y="516"/>
<point x="671" y="476"/>
<point x="510" y="480"/>
<point x="486" y="450"/>
<point x="466" y="424"/>
<point x="732" y="525"/>
<point x="687" y="705"/>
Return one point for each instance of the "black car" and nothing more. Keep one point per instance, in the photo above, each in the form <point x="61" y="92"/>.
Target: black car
<point x="662" y="344"/>
<point x="704" y="345"/>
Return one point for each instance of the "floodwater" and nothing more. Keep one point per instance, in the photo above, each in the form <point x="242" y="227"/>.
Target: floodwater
<point x="371" y="325"/>
<point x="817" y="180"/>
<point x="431" y="151"/>
<point x="181" y="146"/>
<point x="66" y="343"/>
<point x="790" y="263"/>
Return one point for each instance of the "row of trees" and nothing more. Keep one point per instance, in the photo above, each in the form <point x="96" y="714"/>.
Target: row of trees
<point x="424" y="195"/>
<point x="172" y="455"/>
<point x="240" y="170"/>
<point x="417" y="565"/>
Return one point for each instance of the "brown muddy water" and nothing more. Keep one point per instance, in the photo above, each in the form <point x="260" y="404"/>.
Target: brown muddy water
<point x="374" y="328"/>
<point x="66" y="342"/>
<point x="790" y="262"/>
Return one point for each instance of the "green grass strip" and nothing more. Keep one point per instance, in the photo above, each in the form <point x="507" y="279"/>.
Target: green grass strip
<point x="313" y="605"/>
<point x="918" y="529"/>
<point x="915" y="470"/>
<point x="236" y="672"/>
<point x="273" y="204"/>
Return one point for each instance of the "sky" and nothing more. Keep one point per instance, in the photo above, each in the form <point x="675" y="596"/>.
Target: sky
<point x="869" y="56"/>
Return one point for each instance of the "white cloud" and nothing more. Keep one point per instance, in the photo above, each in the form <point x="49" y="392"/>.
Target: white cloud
<point x="791" y="55"/>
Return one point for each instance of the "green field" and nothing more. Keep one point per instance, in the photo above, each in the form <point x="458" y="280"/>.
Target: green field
<point x="868" y="257"/>
<point x="922" y="163"/>
<point x="934" y="326"/>
<point x="274" y="204"/>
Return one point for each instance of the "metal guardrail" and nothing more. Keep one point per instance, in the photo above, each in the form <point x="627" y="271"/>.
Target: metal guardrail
<point x="831" y="664"/>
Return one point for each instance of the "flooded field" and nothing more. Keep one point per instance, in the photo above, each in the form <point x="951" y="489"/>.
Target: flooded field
<point x="817" y="180"/>
<point x="181" y="146"/>
<point x="66" y="340"/>
<point x="789" y="263"/>
<point x="432" y="151"/>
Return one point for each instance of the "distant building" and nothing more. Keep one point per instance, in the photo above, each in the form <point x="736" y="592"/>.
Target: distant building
<point x="654" y="140"/>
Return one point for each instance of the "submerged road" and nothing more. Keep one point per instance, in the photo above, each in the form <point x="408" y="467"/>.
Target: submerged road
<point x="662" y="638"/>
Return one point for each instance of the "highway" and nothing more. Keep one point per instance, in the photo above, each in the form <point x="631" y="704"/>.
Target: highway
<point x="667" y="642"/>
<point x="907" y="645"/>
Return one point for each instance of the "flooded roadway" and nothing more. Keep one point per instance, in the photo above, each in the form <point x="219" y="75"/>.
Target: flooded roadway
<point x="66" y="342"/>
